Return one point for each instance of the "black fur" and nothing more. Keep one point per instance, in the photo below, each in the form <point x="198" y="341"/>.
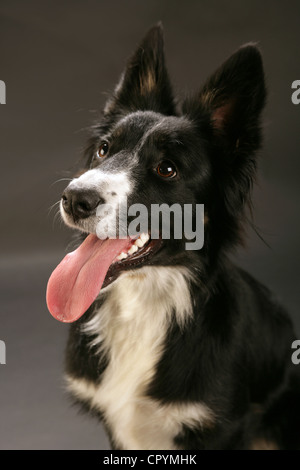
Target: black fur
<point x="235" y="353"/>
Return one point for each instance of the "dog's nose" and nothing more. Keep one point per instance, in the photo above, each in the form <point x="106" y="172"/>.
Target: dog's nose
<point x="80" y="203"/>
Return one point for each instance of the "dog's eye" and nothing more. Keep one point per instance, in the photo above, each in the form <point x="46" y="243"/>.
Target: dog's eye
<point x="103" y="150"/>
<point x="166" y="169"/>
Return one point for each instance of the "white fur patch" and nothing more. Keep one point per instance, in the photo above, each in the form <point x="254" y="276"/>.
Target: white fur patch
<point x="104" y="182"/>
<point x="113" y="187"/>
<point x="131" y="327"/>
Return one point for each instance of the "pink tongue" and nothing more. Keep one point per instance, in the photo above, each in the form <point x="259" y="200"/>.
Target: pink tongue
<point x="77" y="280"/>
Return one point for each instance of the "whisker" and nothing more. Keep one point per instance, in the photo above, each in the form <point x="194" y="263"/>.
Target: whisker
<point x="57" y="219"/>
<point x="52" y="207"/>
<point x="59" y="180"/>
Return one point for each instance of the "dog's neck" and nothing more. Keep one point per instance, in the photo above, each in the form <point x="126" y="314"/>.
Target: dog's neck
<point x="156" y="294"/>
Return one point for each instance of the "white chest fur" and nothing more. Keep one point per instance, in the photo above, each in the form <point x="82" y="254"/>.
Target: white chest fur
<point x="131" y="327"/>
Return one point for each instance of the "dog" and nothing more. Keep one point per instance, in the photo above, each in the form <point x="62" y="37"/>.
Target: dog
<point x="174" y="348"/>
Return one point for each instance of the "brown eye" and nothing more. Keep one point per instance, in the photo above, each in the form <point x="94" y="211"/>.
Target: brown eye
<point x="103" y="150"/>
<point x="166" y="169"/>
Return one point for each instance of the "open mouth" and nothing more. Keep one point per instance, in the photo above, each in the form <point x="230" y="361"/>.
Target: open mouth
<point x="138" y="253"/>
<point x="77" y="280"/>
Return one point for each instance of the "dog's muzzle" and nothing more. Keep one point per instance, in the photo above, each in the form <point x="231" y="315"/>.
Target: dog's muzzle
<point x="80" y="203"/>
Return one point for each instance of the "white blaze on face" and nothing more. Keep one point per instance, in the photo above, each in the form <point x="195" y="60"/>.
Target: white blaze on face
<point x="113" y="189"/>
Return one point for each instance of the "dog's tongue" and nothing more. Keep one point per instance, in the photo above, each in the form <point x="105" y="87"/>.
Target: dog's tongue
<point x="77" y="280"/>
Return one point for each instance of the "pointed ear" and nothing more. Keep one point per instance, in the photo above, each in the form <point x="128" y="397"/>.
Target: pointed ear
<point x="145" y="84"/>
<point x="232" y="100"/>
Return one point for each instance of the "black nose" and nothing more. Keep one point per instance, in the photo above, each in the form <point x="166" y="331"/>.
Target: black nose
<point x="80" y="203"/>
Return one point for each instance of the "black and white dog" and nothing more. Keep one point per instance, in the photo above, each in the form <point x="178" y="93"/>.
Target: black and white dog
<point x="175" y="348"/>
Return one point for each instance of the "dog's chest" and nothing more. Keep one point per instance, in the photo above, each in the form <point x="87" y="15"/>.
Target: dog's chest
<point x="130" y="328"/>
<point x="134" y="336"/>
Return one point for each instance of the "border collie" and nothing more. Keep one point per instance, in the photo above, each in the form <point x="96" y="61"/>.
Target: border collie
<point x="175" y="348"/>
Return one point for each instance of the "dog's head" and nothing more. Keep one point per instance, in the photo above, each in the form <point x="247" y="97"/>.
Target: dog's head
<point x="148" y="153"/>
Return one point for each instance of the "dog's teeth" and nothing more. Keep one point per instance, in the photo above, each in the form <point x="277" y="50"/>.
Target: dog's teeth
<point x="133" y="249"/>
<point x="144" y="237"/>
<point x="139" y="243"/>
<point x="122" y="256"/>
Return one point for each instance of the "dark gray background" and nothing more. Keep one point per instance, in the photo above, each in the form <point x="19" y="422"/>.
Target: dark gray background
<point x="58" y="59"/>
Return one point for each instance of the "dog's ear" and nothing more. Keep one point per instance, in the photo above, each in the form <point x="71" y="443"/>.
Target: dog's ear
<point x="232" y="100"/>
<point x="145" y="84"/>
<point x="227" y="112"/>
